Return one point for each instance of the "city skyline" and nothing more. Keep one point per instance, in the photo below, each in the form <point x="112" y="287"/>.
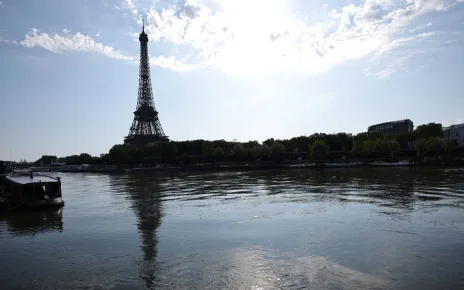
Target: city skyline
<point x="223" y="69"/>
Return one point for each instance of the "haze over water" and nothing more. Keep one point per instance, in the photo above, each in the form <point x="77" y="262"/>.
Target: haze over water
<point x="310" y="229"/>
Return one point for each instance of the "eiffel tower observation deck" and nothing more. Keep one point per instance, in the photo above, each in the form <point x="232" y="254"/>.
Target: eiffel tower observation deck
<point x="146" y="127"/>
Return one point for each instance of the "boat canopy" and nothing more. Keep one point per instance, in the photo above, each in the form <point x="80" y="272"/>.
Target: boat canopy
<point x="31" y="178"/>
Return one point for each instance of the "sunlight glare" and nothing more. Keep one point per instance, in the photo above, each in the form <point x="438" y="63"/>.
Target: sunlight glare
<point x="253" y="22"/>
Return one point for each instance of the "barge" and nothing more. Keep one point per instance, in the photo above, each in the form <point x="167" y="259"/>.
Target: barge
<point x="30" y="190"/>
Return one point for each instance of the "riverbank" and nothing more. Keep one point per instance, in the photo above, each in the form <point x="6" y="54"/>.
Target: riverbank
<point x="248" y="166"/>
<point x="306" y="166"/>
<point x="257" y="166"/>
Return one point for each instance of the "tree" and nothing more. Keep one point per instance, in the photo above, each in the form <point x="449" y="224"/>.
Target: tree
<point x="362" y="136"/>
<point x="265" y="151"/>
<point x="269" y="142"/>
<point x="450" y="147"/>
<point x="429" y="131"/>
<point x="85" y="158"/>
<point x="207" y="149"/>
<point x="277" y="149"/>
<point x="135" y="154"/>
<point x="46" y="159"/>
<point x="381" y="147"/>
<point x="117" y="154"/>
<point x="374" y="135"/>
<point x="421" y="147"/>
<point x="435" y="145"/>
<point x="218" y="152"/>
<point x="238" y="151"/>
<point x="358" y="148"/>
<point x="257" y="151"/>
<point x="369" y="148"/>
<point x="299" y="142"/>
<point x="394" y="147"/>
<point x="171" y="150"/>
<point x="405" y="139"/>
<point x="319" y="149"/>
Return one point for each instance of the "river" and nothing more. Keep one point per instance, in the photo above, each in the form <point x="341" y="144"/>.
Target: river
<point x="385" y="228"/>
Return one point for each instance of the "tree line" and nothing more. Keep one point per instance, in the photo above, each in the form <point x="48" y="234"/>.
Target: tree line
<point x="425" y="140"/>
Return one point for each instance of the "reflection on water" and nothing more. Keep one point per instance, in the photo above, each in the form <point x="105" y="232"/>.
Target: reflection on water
<point x="262" y="268"/>
<point x="143" y="192"/>
<point x="34" y="222"/>
<point x="319" y="229"/>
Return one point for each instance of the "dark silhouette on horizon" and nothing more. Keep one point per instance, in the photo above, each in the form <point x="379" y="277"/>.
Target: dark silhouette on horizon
<point x="146" y="127"/>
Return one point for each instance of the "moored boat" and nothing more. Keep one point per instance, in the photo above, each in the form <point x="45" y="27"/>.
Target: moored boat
<point x="30" y="190"/>
<point x="343" y="165"/>
<point x="391" y="164"/>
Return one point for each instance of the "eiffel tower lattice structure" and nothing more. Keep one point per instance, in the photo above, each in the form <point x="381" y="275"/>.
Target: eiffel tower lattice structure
<point x="146" y="127"/>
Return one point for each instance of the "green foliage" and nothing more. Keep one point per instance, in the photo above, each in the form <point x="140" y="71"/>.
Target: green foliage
<point x="207" y="148"/>
<point x="218" y="152"/>
<point x="358" y="148"/>
<point x="277" y="150"/>
<point x="421" y="147"/>
<point x="450" y="147"/>
<point x="265" y="151"/>
<point x="427" y="140"/>
<point x="319" y="149"/>
<point x="46" y="159"/>
<point x="269" y="142"/>
<point x="430" y="130"/>
<point x="380" y="147"/>
<point x="238" y="151"/>
<point x="394" y="147"/>
<point x="432" y="146"/>
<point x="257" y="151"/>
<point x="435" y="146"/>
<point x="405" y="139"/>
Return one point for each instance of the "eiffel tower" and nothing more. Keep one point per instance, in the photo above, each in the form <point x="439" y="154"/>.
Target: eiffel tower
<point x="146" y="127"/>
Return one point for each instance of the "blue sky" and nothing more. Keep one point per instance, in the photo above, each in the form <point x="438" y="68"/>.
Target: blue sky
<point x="223" y="69"/>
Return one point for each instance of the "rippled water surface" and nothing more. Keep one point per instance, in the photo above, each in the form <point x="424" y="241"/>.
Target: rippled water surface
<point x="319" y="229"/>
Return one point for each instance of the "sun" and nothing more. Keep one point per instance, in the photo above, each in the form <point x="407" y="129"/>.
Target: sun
<point x="252" y="24"/>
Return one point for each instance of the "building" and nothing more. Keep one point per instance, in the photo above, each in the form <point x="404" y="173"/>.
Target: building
<point x="455" y="132"/>
<point x="392" y="128"/>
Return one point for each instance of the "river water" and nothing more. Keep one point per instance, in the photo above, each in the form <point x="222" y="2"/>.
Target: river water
<point x="399" y="228"/>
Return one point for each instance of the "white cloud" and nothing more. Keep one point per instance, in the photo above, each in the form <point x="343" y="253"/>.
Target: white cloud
<point x="171" y="63"/>
<point x="396" y="43"/>
<point x="390" y="59"/>
<point x="391" y="66"/>
<point x="8" y="41"/>
<point x="70" y="42"/>
<point x="128" y="4"/>
<point x="421" y="27"/>
<point x="267" y="37"/>
<point x="243" y="37"/>
<point x="82" y="43"/>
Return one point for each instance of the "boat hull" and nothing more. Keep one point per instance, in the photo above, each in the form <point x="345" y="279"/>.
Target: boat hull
<point x="398" y="164"/>
<point x="32" y="204"/>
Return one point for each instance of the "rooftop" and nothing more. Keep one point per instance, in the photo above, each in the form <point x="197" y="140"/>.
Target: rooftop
<point x="454" y="126"/>
<point x="23" y="178"/>
<point x="392" y="122"/>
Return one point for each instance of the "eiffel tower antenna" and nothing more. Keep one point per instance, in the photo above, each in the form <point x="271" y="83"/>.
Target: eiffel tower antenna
<point x="146" y="127"/>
